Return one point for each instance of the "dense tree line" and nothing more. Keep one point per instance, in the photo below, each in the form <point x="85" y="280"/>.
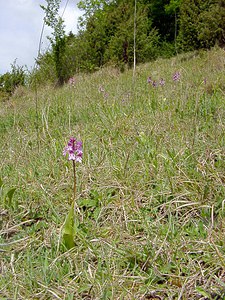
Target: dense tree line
<point x="106" y="34"/>
<point x="163" y="28"/>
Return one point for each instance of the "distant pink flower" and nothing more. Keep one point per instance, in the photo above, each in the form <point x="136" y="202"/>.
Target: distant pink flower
<point x="72" y="81"/>
<point x="74" y="150"/>
<point x="162" y="82"/>
<point x="176" y="76"/>
<point x="149" y="80"/>
<point x="154" y="83"/>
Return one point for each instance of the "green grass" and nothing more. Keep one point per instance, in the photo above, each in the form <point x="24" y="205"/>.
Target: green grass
<point x="150" y="188"/>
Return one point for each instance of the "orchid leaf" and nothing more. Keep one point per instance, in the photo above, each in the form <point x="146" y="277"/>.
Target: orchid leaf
<point x="9" y="195"/>
<point x="70" y="229"/>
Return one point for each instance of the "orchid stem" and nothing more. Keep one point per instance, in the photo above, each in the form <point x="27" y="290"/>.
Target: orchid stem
<point x="75" y="183"/>
<point x="74" y="203"/>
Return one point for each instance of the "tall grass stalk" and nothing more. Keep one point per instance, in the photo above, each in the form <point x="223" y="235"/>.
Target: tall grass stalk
<point x="135" y="21"/>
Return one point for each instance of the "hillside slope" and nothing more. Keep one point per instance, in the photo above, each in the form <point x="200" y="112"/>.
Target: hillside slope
<point x="150" y="188"/>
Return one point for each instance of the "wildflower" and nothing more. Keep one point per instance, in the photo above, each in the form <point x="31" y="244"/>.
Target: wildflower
<point x="74" y="150"/>
<point x="72" y="81"/>
<point x="101" y="89"/>
<point x="149" y="80"/>
<point x="162" y="82"/>
<point x="176" y="76"/>
<point x="154" y="83"/>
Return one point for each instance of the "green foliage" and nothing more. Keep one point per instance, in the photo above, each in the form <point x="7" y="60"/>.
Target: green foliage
<point x="69" y="229"/>
<point x="201" y="24"/>
<point x="6" y="197"/>
<point x="11" y="80"/>
<point x="172" y="6"/>
<point x="121" y="45"/>
<point x="91" y="6"/>
<point x="106" y="33"/>
<point x="51" y="12"/>
<point x="45" y="73"/>
<point x="53" y="20"/>
<point x="162" y="15"/>
<point x="211" y="28"/>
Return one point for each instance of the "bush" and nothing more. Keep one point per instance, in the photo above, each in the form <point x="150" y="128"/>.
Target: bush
<point x="11" y="80"/>
<point x="202" y="24"/>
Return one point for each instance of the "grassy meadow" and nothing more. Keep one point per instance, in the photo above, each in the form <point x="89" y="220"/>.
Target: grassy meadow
<point x="150" y="189"/>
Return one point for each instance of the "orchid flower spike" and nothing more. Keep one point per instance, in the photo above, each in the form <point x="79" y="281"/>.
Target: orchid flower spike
<point x="74" y="150"/>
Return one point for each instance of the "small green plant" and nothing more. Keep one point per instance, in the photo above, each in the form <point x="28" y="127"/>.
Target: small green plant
<point x="6" y="196"/>
<point x="74" y="151"/>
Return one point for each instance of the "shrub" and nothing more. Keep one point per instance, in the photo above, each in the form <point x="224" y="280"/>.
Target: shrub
<point x="201" y="24"/>
<point x="11" y="80"/>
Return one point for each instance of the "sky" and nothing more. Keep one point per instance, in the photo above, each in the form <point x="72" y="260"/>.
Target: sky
<point x="21" y="22"/>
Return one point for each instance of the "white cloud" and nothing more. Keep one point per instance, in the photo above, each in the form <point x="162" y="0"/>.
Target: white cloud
<point x="20" y="28"/>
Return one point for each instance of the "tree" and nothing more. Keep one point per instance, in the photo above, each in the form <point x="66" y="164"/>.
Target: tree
<point x="108" y="32"/>
<point x="57" y="40"/>
<point x="202" y="24"/>
<point x="11" y="80"/>
<point x="173" y="8"/>
<point x="211" y="26"/>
